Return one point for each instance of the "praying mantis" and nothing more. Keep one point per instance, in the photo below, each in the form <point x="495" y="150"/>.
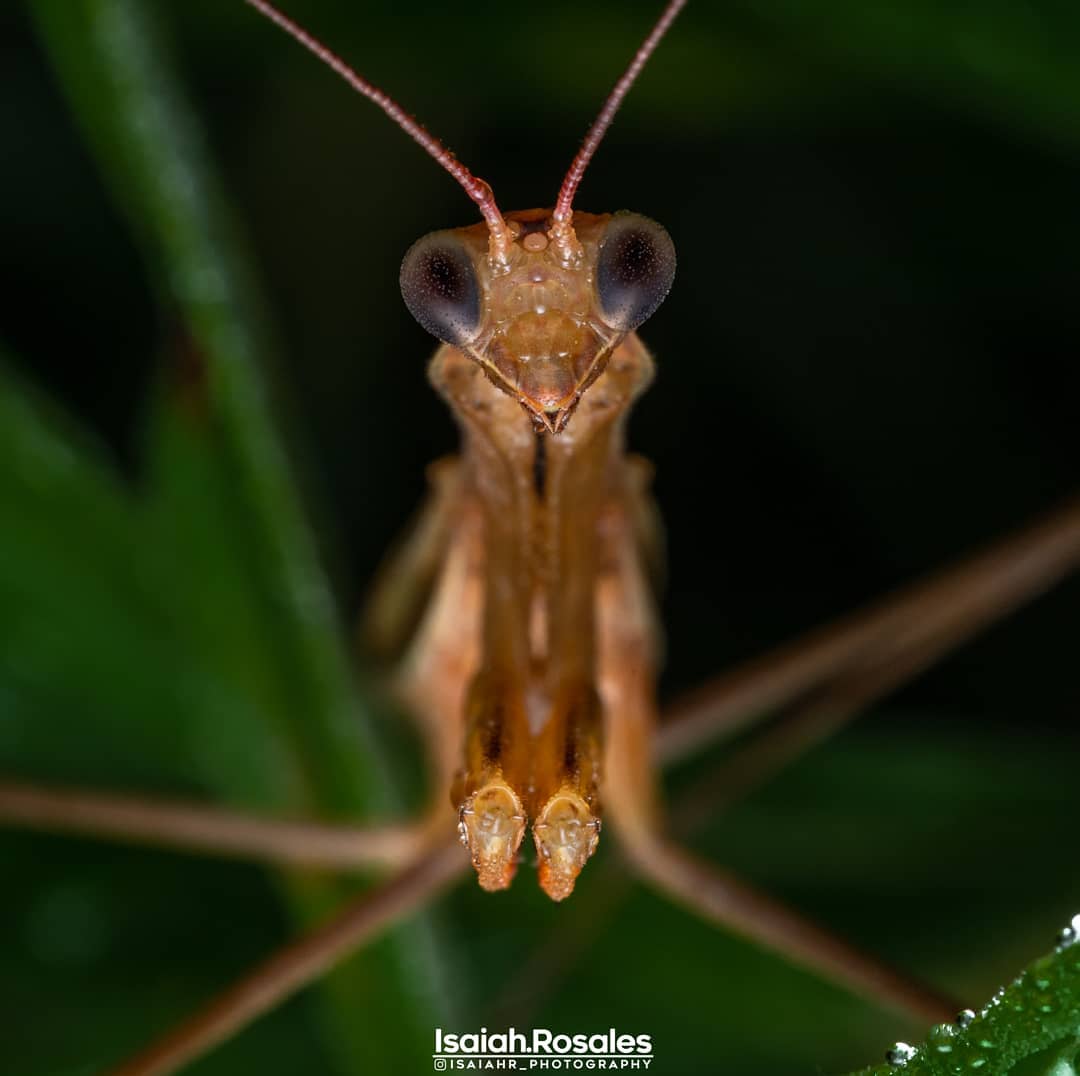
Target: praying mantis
<point x="672" y="865"/>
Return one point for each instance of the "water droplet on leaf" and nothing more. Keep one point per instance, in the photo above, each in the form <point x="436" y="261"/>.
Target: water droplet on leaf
<point x="1070" y="934"/>
<point x="900" y="1054"/>
<point x="940" y="1038"/>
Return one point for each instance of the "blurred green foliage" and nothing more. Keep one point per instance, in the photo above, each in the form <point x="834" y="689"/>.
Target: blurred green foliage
<point x="867" y="366"/>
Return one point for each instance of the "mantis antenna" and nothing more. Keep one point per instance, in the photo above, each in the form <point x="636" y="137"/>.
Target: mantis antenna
<point x="502" y="238"/>
<point x="475" y="188"/>
<point x="563" y="215"/>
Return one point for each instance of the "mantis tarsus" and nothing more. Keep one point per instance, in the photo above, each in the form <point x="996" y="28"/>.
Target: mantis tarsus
<point x="908" y="637"/>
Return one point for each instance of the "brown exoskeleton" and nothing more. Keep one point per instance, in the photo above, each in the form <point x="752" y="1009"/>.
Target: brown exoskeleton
<point x="534" y="661"/>
<point x="523" y="642"/>
<point x="540" y="629"/>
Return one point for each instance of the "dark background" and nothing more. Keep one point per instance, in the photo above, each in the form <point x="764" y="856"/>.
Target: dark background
<point x="866" y="368"/>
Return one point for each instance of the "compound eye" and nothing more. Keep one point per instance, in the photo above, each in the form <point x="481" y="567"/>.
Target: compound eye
<point x="634" y="270"/>
<point x="441" y="289"/>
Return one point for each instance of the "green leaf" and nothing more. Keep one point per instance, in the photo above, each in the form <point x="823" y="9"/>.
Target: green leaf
<point x="77" y="615"/>
<point x="219" y="553"/>
<point x="1029" y="1028"/>
<point x="115" y="67"/>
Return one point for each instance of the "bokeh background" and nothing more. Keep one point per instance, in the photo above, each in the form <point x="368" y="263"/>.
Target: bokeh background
<point x="866" y="368"/>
